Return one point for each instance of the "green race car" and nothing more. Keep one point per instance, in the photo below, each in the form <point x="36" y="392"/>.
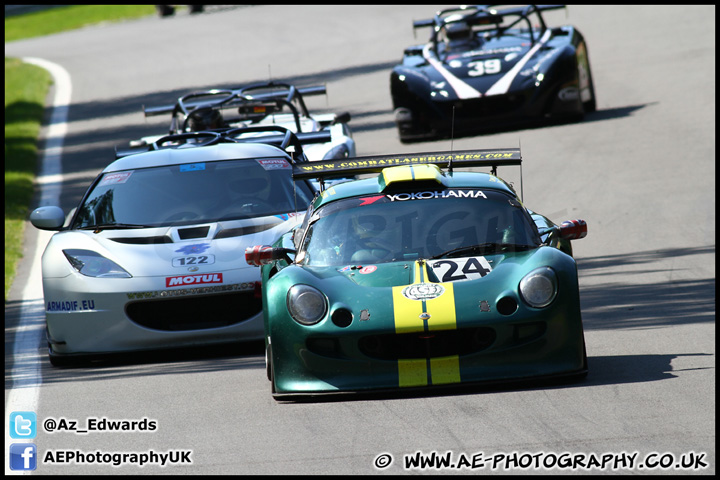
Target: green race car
<point x="419" y="276"/>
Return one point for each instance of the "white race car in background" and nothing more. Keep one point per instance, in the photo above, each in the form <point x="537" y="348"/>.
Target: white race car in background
<point x="153" y="257"/>
<point x="262" y="104"/>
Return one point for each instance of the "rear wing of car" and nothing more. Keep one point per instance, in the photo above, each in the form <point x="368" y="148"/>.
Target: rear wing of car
<point x="478" y="15"/>
<point x="252" y="102"/>
<point x="224" y="98"/>
<point x="349" y="167"/>
<point x="492" y="158"/>
<point x="483" y="14"/>
<point x="271" y="135"/>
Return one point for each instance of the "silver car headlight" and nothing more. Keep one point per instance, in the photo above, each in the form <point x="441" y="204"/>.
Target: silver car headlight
<point x="337" y="152"/>
<point x="306" y="304"/>
<point x="92" y="264"/>
<point x="539" y="287"/>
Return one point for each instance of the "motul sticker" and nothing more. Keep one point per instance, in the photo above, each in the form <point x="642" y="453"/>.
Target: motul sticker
<point x="114" y="178"/>
<point x="202" y="279"/>
<point x="423" y="291"/>
<point x="273" y="163"/>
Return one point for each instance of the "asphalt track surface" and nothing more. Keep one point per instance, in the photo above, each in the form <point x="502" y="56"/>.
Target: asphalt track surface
<point x="640" y="171"/>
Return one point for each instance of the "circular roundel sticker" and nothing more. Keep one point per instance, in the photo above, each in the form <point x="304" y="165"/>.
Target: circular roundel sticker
<point x="423" y="291"/>
<point x="368" y="269"/>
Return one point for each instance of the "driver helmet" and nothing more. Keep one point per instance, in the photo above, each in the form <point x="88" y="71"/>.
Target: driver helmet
<point x="368" y="226"/>
<point x="457" y="33"/>
<point x="204" y="119"/>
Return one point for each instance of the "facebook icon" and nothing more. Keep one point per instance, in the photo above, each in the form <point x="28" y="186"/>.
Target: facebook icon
<point x="23" y="456"/>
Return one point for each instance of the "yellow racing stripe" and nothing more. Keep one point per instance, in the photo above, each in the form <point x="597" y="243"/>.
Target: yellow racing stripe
<point x="407" y="313"/>
<point x="412" y="372"/>
<point x="420" y="315"/>
<point x="442" y="310"/>
<point x="445" y="369"/>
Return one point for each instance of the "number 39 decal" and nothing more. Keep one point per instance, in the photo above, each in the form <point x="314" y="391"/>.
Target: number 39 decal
<point x="484" y="67"/>
<point x="459" y="269"/>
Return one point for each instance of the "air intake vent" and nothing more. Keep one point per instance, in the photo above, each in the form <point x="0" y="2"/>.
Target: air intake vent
<point x="240" y="231"/>
<point x="440" y="343"/>
<point x="195" y="312"/>
<point x="197" y="232"/>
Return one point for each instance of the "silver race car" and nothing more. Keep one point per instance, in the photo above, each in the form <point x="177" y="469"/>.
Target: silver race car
<point x="153" y="256"/>
<point x="260" y="104"/>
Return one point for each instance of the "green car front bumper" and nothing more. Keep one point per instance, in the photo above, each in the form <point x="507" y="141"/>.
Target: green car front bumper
<point x="475" y="331"/>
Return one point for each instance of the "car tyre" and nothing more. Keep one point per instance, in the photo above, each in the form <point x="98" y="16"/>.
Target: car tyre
<point x="268" y="362"/>
<point x="269" y="369"/>
<point x="590" y="105"/>
<point x="584" y="372"/>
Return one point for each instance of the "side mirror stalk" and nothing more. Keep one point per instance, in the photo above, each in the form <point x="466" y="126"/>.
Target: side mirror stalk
<point x="258" y="255"/>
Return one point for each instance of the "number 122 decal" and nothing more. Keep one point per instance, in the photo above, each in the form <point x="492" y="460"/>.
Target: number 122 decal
<point x="459" y="269"/>
<point x="193" y="260"/>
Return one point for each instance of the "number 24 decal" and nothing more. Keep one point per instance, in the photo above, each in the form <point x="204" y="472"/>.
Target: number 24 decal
<point x="484" y="67"/>
<point x="461" y="269"/>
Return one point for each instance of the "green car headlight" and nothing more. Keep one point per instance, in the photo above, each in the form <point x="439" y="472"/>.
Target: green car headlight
<point x="306" y="304"/>
<point x="92" y="264"/>
<point x="539" y="287"/>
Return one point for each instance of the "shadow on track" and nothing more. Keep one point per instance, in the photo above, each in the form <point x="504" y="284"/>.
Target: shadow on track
<point x="608" y="370"/>
<point x="645" y="305"/>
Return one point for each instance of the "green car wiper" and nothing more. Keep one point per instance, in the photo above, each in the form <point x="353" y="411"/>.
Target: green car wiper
<point x="483" y="248"/>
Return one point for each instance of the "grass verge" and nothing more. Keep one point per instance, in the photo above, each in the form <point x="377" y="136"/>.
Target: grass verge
<point x="26" y="88"/>
<point x="71" y="17"/>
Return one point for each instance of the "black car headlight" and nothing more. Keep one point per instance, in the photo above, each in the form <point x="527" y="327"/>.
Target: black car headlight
<point x="92" y="264"/>
<point x="539" y="287"/>
<point x="307" y="305"/>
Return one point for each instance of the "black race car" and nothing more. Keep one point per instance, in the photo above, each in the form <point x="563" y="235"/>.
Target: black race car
<point x="488" y="68"/>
